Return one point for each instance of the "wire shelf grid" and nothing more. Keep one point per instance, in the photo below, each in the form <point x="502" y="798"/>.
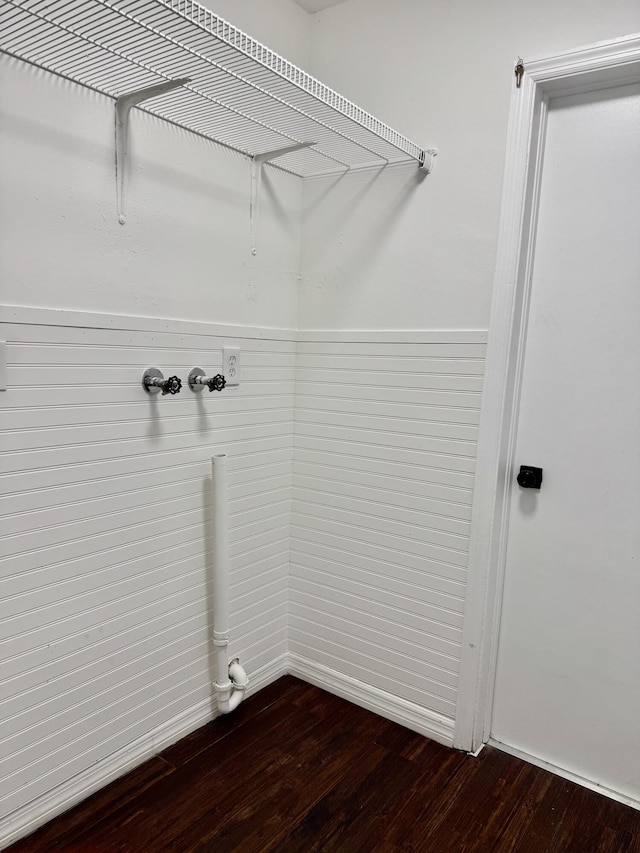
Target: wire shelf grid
<point x="240" y="94"/>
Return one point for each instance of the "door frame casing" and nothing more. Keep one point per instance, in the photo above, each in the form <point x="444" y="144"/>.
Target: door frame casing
<point x="588" y="69"/>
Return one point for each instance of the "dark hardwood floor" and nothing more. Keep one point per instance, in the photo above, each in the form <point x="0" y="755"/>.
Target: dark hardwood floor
<point x="296" y="769"/>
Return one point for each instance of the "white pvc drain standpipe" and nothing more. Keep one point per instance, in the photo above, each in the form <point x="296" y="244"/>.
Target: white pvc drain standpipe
<point x="231" y="679"/>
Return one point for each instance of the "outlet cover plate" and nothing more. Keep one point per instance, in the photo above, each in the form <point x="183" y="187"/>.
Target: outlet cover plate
<point x="231" y="366"/>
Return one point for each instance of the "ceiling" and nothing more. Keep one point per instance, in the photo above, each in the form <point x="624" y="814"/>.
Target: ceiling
<point x="316" y="5"/>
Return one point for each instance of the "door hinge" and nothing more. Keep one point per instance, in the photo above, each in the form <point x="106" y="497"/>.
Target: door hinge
<point x="519" y="71"/>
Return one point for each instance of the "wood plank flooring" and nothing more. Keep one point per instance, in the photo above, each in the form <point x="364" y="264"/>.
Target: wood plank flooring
<point x="297" y="769"/>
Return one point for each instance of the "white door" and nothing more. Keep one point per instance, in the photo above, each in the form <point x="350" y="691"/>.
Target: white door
<point x="568" y="674"/>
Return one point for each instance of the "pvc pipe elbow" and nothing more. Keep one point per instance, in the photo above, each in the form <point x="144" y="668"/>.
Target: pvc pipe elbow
<point x="229" y="697"/>
<point x="236" y="698"/>
<point x="231" y="693"/>
<point x="238" y="675"/>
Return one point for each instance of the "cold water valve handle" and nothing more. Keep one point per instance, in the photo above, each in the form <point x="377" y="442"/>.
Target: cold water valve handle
<point x="153" y="382"/>
<point x="199" y="380"/>
<point x="217" y="383"/>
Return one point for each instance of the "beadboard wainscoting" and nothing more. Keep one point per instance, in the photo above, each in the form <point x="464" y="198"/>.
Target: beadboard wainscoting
<point x="351" y="460"/>
<point x="384" y="458"/>
<point x="106" y="567"/>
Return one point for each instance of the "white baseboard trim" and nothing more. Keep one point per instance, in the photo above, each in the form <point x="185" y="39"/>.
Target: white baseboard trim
<point x="408" y="714"/>
<point x="565" y="774"/>
<point x="26" y="820"/>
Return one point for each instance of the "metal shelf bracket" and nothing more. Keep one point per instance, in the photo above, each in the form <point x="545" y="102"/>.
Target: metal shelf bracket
<point x="257" y="162"/>
<point x="124" y="103"/>
<point x="426" y="161"/>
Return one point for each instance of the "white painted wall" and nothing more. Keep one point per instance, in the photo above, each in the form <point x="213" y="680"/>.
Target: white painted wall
<point x="185" y="249"/>
<point x="379" y="251"/>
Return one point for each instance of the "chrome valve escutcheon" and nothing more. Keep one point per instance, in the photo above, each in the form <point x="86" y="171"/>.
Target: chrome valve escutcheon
<point x="153" y="382"/>
<point x="199" y="380"/>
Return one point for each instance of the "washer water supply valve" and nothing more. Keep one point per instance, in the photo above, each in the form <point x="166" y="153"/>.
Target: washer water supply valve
<point x="153" y="382"/>
<point x="199" y="380"/>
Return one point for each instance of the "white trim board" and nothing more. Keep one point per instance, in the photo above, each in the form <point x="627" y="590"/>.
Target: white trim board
<point x="565" y="774"/>
<point x="62" y="798"/>
<point x="412" y="716"/>
<point x="40" y="316"/>
<point x="587" y="69"/>
<point x="405" y="336"/>
<point x="26" y="314"/>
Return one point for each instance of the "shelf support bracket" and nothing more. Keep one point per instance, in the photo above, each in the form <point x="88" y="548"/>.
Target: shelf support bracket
<point x="427" y="157"/>
<point x="257" y="162"/>
<point x="124" y="103"/>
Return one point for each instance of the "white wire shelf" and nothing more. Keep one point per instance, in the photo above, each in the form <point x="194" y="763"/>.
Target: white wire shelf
<point x="239" y="93"/>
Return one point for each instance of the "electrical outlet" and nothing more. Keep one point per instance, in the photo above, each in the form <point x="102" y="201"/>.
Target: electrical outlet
<point x="231" y="366"/>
